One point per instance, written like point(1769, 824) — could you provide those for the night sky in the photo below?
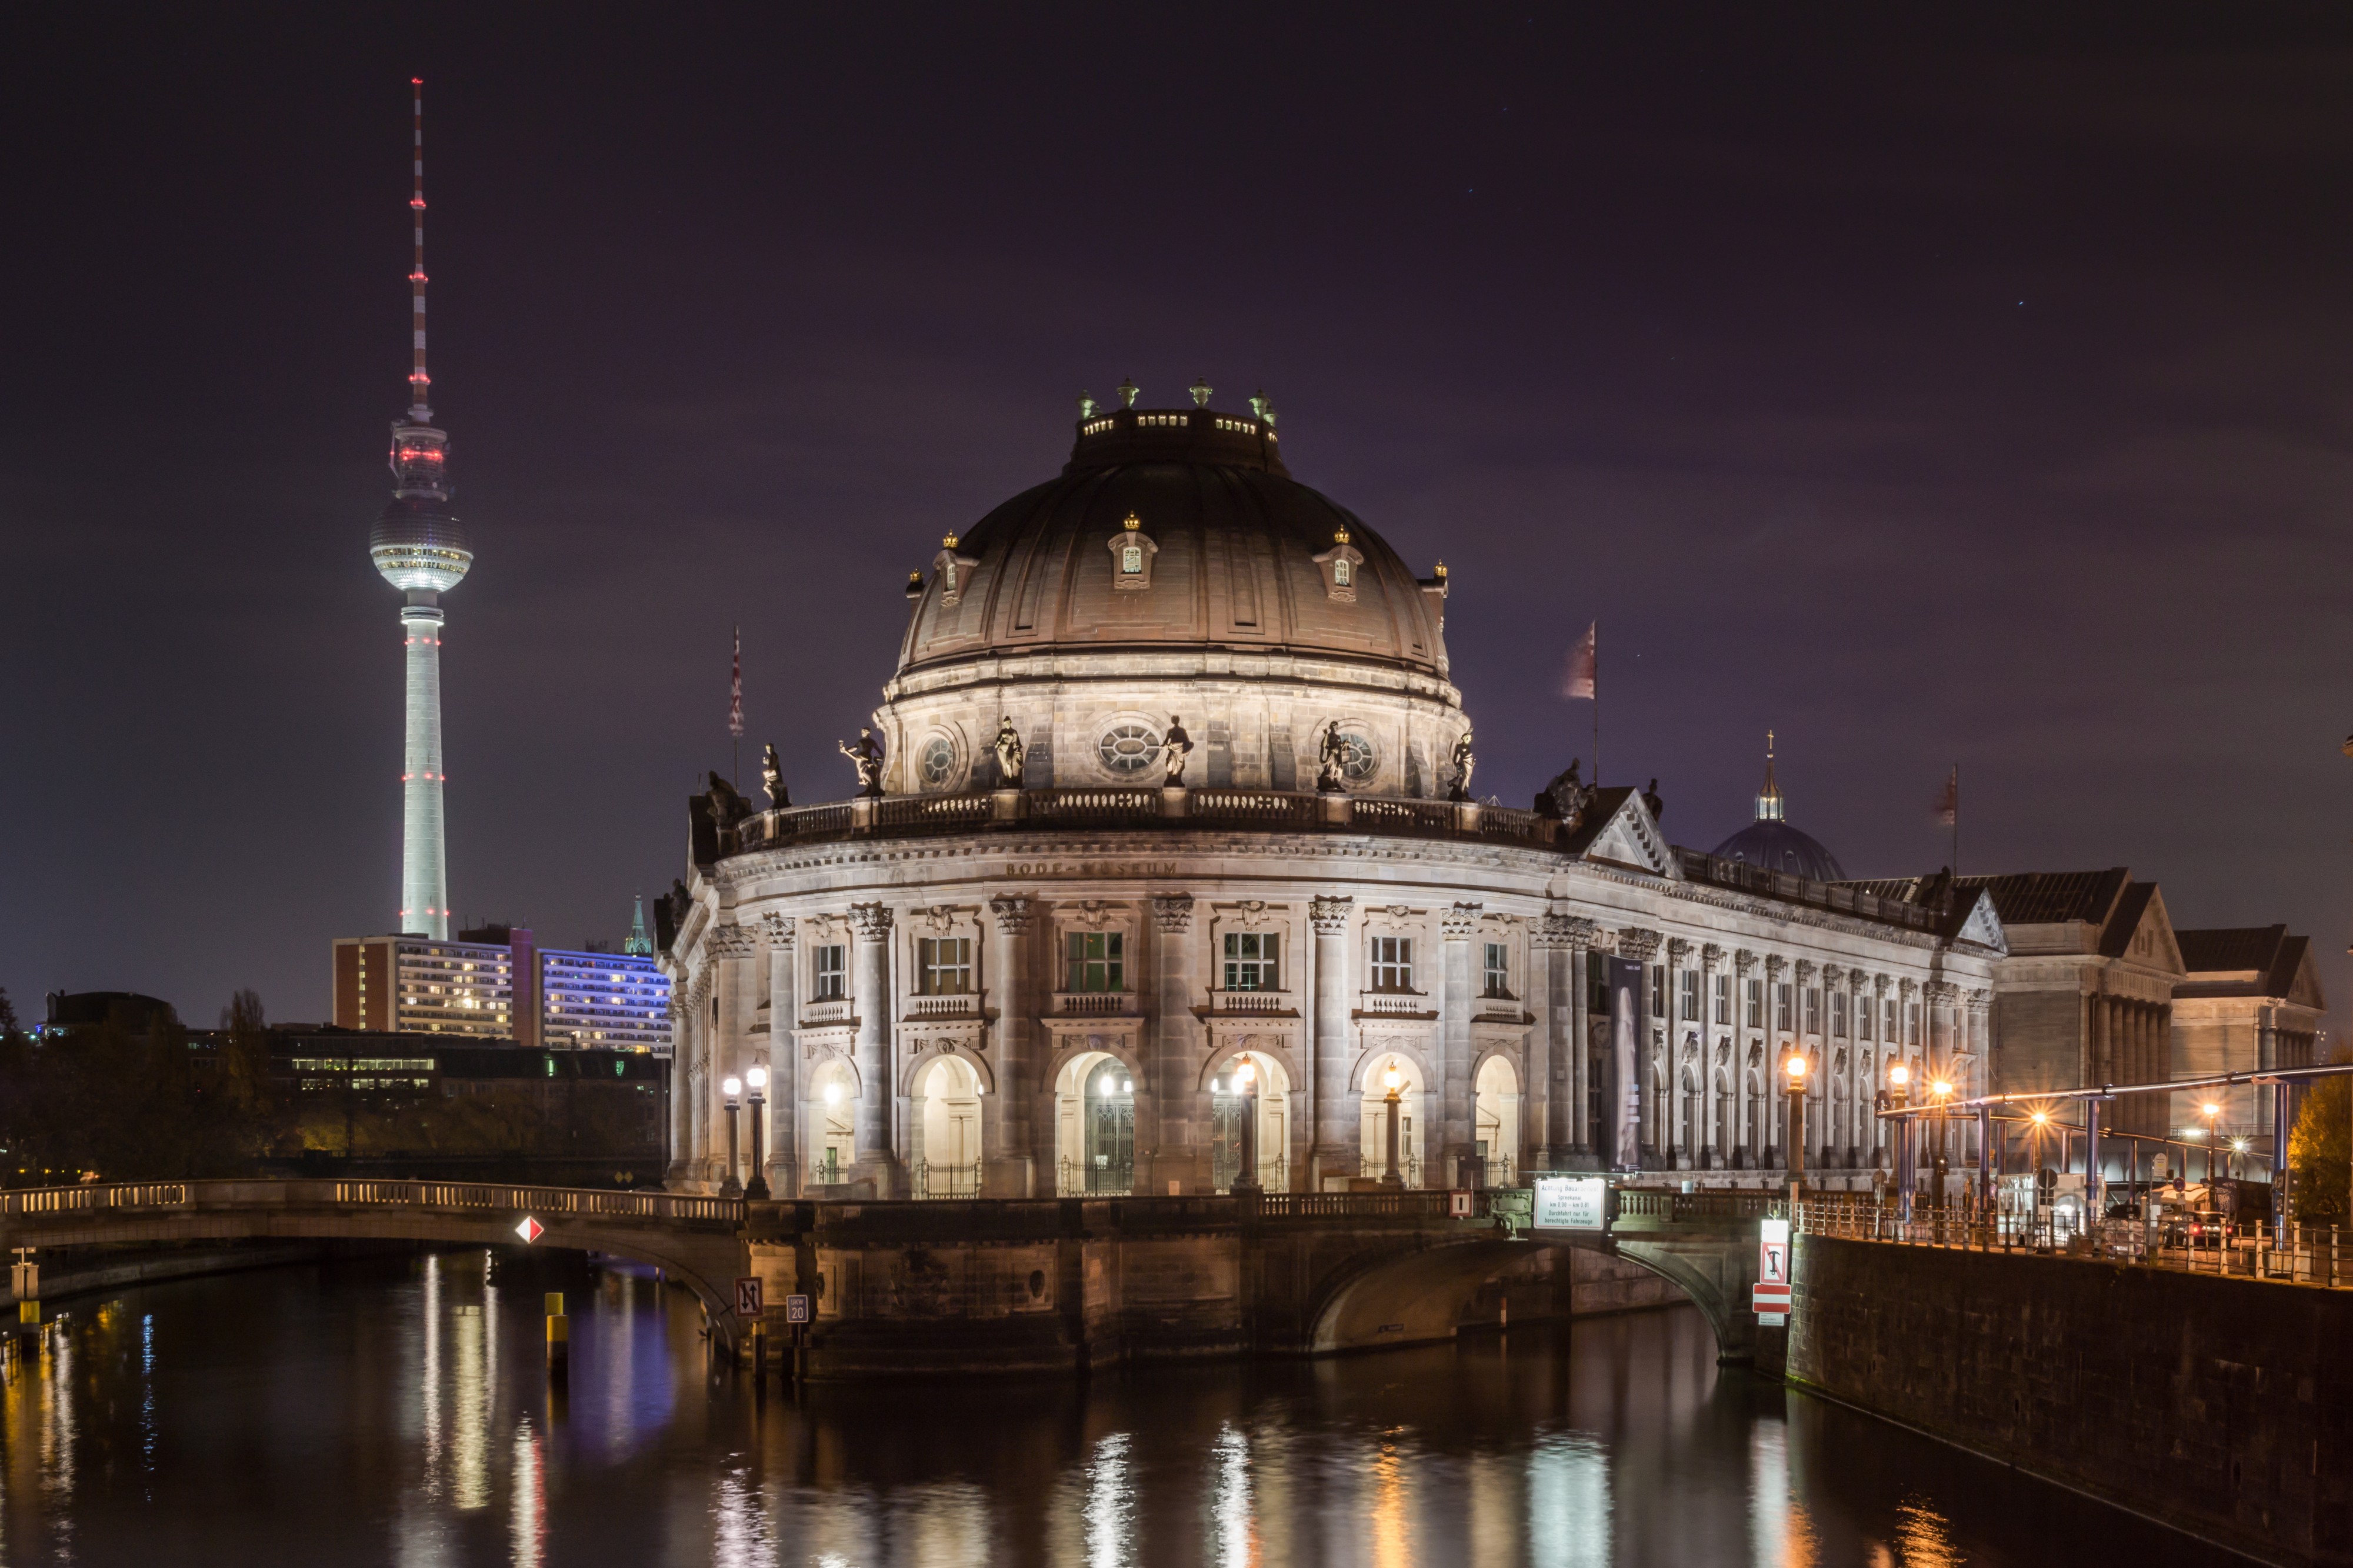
point(1981, 394)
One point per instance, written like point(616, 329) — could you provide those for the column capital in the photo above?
point(1329, 914)
point(1172, 912)
point(1711, 955)
point(1906, 986)
point(1743, 961)
point(779, 930)
point(1458, 922)
point(1881, 984)
point(1573, 931)
point(1806, 968)
point(1678, 949)
point(872, 922)
point(1639, 943)
point(1943, 990)
point(729, 941)
point(1011, 912)
point(1833, 976)
point(1775, 966)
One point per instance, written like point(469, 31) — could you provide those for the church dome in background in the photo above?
point(1771, 842)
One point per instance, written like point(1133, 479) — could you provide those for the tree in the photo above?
point(244, 1056)
point(2318, 1151)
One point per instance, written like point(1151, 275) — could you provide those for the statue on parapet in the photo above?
point(1464, 761)
point(1652, 803)
point(1175, 747)
point(772, 780)
point(728, 807)
point(1008, 747)
point(867, 758)
point(1567, 796)
point(1332, 756)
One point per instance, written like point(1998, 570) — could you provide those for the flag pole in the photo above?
point(1597, 705)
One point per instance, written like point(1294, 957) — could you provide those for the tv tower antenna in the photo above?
point(419, 547)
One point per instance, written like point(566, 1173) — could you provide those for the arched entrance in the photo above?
point(1267, 1089)
point(944, 1121)
point(1094, 1125)
point(1495, 1122)
point(829, 1114)
point(1375, 1148)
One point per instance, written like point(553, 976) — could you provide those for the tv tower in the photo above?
point(421, 549)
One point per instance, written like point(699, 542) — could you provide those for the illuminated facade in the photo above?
point(501, 987)
point(419, 547)
point(1172, 859)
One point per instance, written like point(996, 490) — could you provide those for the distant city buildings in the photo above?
point(496, 984)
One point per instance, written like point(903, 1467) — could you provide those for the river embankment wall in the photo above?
point(78, 1271)
point(2223, 1407)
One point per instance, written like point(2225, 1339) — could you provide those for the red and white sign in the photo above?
point(750, 1300)
point(1769, 1298)
point(1458, 1206)
point(1773, 1265)
point(531, 1229)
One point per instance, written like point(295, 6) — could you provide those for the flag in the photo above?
point(1949, 799)
point(1582, 666)
point(735, 691)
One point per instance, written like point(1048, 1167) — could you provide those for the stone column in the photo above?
point(1182, 1110)
point(2098, 1050)
point(1776, 1139)
point(877, 1157)
point(1834, 1045)
point(681, 1174)
point(1561, 1064)
point(1009, 1125)
point(1673, 1136)
point(1811, 1050)
point(1457, 1122)
point(1744, 963)
point(784, 1162)
point(1641, 946)
point(1578, 958)
point(1339, 1121)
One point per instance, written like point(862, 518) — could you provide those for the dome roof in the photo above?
point(1176, 531)
point(1781, 847)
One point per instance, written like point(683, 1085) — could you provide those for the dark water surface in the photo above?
point(399, 1412)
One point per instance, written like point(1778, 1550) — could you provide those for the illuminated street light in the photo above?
point(1246, 1179)
point(1392, 1080)
point(1796, 1070)
point(732, 1188)
point(756, 1079)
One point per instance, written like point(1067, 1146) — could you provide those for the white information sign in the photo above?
point(1571, 1203)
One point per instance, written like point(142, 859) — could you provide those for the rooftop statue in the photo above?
point(772, 780)
point(867, 758)
point(727, 807)
point(1567, 796)
point(1332, 755)
point(1658, 808)
point(1008, 747)
point(1175, 747)
point(1464, 761)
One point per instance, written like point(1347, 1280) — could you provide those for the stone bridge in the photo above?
point(989, 1285)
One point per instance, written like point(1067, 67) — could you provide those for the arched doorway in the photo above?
point(1094, 1126)
point(1495, 1122)
point(831, 1113)
point(945, 1122)
point(1229, 1100)
point(1375, 1147)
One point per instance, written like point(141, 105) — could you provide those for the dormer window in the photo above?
point(952, 569)
point(1342, 570)
point(1340, 565)
point(1132, 551)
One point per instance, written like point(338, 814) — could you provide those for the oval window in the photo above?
point(935, 764)
point(1128, 749)
point(1356, 760)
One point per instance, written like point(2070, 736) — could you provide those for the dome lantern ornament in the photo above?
point(1200, 389)
point(1128, 390)
point(1771, 842)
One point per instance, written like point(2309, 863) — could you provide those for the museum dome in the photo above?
point(1771, 842)
point(1176, 531)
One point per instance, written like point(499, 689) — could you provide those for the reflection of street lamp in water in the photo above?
point(1391, 1079)
point(1246, 1179)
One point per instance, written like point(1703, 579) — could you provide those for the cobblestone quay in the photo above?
point(2223, 1407)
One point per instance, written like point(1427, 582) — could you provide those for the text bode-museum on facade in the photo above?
point(1164, 860)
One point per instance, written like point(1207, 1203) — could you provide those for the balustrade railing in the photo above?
point(587, 1203)
point(932, 1180)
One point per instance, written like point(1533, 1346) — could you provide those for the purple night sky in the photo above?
point(1981, 392)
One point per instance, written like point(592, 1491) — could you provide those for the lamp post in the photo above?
point(756, 1079)
point(1391, 1079)
point(2209, 1111)
point(730, 1188)
point(1795, 1068)
point(1246, 1179)
point(1939, 1092)
point(1899, 1089)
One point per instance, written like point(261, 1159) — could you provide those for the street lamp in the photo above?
point(1246, 1179)
point(756, 1079)
point(1939, 1092)
point(1391, 1081)
point(1899, 1084)
point(2209, 1111)
point(730, 1188)
point(1796, 1070)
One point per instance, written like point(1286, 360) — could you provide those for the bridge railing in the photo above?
point(1656, 1203)
point(585, 1203)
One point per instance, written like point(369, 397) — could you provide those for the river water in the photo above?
point(399, 1412)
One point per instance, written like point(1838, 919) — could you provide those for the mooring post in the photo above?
point(559, 1336)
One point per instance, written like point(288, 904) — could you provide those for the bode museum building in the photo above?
point(1164, 865)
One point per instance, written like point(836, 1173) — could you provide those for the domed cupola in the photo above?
point(1173, 572)
point(1771, 842)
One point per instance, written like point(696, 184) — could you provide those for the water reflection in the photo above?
point(401, 1410)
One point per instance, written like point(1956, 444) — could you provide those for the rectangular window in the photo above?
point(1251, 961)
point(832, 972)
point(1756, 1004)
point(1392, 964)
point(943, 965)
point(1722, 989)
point(1781, 1006)
point(1499, 970)
point(1690, 988)
point(1838, 1013)
point(1813, 1011)
point(1862, 1015)
point(1888, 1034)
point(1912, 1020)
point(1096, 960)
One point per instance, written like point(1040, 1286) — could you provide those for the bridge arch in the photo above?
point(1418, 1293)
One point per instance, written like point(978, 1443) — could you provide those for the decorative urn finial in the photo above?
point(1126, 390)
point(1200, 389)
